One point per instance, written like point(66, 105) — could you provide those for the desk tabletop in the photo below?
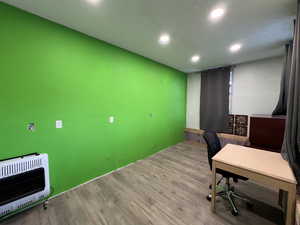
point(262, 162)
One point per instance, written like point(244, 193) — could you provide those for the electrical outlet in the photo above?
point(58, 123)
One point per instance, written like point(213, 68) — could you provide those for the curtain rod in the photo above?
point(215, 68)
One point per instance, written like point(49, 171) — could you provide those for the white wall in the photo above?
point(255, 89)
point(256, 86)
point(193, 100)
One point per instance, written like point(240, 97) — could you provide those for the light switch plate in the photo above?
point(111, 119)
point(58, 123)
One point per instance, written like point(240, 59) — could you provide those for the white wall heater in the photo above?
point(23, 181)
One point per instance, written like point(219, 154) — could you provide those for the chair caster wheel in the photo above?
point(208, 198)
point(234, 213)
point(249, 205)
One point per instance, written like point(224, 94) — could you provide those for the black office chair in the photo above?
point(226, 191)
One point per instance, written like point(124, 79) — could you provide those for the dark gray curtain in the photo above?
point(281, 108)
point(214, 100)
point(291, 143)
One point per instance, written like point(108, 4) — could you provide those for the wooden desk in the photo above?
point(264, 167)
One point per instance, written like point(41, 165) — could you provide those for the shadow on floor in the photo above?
point(268, 212)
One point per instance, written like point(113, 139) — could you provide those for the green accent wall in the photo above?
point(49, 72)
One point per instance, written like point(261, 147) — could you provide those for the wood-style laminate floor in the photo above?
point(168, 188)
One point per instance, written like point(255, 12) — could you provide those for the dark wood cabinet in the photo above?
point(267, 132)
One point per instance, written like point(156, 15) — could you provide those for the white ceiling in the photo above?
point(262, 26)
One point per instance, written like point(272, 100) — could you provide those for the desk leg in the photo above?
point(291, 205)
point(213, 191)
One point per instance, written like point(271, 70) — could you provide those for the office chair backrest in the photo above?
point(213, 145)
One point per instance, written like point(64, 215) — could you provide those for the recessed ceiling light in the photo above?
point(93, 2)
point(195, 58)
point(235, 47)
point(217, 13)
point(164, 39)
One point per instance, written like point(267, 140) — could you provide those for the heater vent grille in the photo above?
point(19, 167)
point(24, 180)
point(25, 204)
point(4, 212)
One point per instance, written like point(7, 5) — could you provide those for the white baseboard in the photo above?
point(89, 181)
point(96, 178)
